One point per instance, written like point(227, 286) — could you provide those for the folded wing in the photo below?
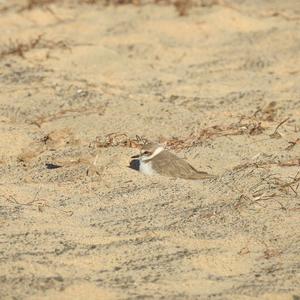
point(169, 164)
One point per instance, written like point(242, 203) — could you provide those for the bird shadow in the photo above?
point(134, 165)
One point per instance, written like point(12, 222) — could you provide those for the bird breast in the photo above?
point(146, 168)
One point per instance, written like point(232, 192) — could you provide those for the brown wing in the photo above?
point(169, 164)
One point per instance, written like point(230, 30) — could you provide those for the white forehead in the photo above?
point(150, 147)
point(155, 152)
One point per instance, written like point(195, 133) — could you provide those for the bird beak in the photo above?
point(136, 156)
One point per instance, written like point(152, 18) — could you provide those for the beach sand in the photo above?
point(219, 86)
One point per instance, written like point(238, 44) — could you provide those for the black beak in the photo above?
point(136, 156)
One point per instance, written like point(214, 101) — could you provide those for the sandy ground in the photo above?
point(219, 86)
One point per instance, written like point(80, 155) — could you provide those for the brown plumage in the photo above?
point(168, 164)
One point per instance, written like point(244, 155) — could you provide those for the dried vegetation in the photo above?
point(269, 186)
point(19, 48)
point(38, 203)
point(263, 119)
point(181, 6)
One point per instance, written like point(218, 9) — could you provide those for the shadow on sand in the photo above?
point(134, 164)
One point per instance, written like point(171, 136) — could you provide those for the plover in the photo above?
point(155, 159)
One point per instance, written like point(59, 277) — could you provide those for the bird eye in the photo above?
point(147, 153)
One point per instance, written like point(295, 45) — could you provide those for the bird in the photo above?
point(155, 159)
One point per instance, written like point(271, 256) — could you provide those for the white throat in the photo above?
point(146, 168)
point(146, 164)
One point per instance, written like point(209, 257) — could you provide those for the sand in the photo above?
point(219, 86)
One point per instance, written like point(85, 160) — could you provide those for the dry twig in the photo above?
point(39, 203)
point(276, 134)
point(119, 139)
point(16, 47)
